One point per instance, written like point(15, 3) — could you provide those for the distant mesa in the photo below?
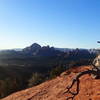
point(37, 50)
point(35, 45)
point(31, 49)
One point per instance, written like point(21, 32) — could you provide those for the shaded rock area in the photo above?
point(54, 89)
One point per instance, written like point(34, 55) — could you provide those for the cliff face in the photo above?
point(54, 89)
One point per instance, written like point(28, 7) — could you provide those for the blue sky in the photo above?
point(59, 23)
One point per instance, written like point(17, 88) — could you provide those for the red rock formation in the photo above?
point(54, 89)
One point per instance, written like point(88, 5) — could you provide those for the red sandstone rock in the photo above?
point(54, 89)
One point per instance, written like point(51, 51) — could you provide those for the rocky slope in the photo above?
point(54, 89)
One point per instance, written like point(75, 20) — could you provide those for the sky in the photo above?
point(58, 23)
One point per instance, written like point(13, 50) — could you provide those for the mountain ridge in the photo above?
point(38, 46)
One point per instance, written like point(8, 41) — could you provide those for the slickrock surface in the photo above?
point(54, 89)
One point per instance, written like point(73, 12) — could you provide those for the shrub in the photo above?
point(56, 71)
point(36, 79)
